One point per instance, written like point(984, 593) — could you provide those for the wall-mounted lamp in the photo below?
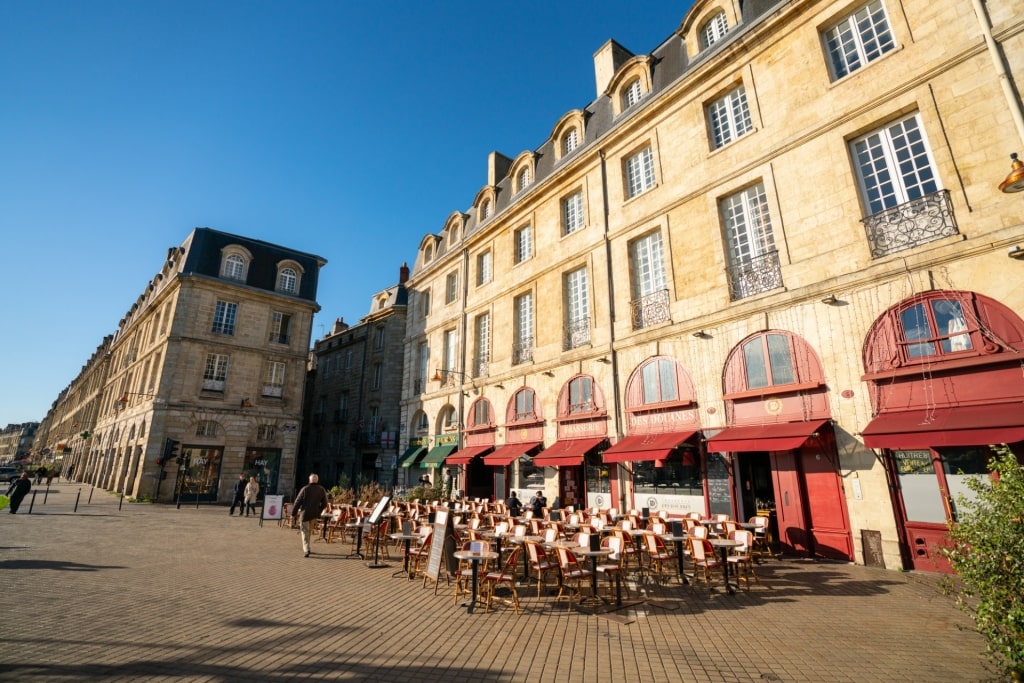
point(444, 376)
point(1016, 253)
point(548, 373)
point(246, 403)
point(701, 334)
point(605, 360)
point(499, 386)
point(1015, 180)
point(124, 397)
point(830, 300)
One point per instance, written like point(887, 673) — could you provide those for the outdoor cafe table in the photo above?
point(358, 526)
point(408, 538)
point(678, 540)
point(724, 545)
point(475, 559)
point(582, 551)
point(521, 540)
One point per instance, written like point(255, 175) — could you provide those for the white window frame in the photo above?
point(287, 280)
point(713, 30)
point(523, 179)
point(647, 261)
point(570, 141)
point(572, 213)
point(273, 378)
point(378, 375)
point(523, 238)
point(215, 374)
point(748, 225)
point(523, 305)
point(451, 287)
point(483, 268)
point(280, 325)
point(883, 154)
point(482, 342)
point(577, 302)
point(234, 267)
point(639, 172)
point(225, 316)
point(858, 39)
point(729, 117)
point(632, 94)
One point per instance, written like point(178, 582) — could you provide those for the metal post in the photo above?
point(77, 498)
point(32, 502)
point(46, 494)
point(120, 502)
point(89, 502)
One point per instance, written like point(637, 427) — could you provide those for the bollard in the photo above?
point(32, 502)
point(197, 499)
point(179, 500)
point(78, 498)
point(89, 502)
point(120, 502)
point(46, 495)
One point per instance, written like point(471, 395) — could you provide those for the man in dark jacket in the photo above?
point(19, 489)
point(312, 500)
point(238, 496)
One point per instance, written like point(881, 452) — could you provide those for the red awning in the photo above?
point(507, 454)
point(465, 455)
point(646, 446)
point(937, 427)
point(566, 453)
point(784, 436)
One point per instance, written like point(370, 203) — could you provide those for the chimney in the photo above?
point(497, 167)
point(403, 274)
point(607, 61)
point(339, 326)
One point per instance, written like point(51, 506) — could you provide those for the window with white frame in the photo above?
point(570, 141)
point(647, 262)
point(224, 315)
point(482, 342)
point(857, 39)
point(234, 267)
point(632, 94)
point(449, 419)
point(375, 420)
point(485, 210)
point(206, 428)
point(522, 350)
point(894, 164)
point(422, 366)
point(523, 179)
point(449, 349)
point(280, 325)
point(659, 382)
point(577, 309)
point(572, 213)
point(639, 172)
point(215, 375)
point(729, 117)
point(523, 238)
point(287, 280)
point(753, 259)
point(273, 378)
point(451, 287)
point(483, 268)
point(422, 424)
point(378, 342)
point(713, 30)
point(266, 432)
point(378, 375)
point(424, 301)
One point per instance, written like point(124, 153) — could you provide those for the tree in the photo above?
point(986, 550)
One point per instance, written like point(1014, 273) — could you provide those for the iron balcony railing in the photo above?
point(482, 365)
point(522, 351)
point(650, 309)
point(910, 224)
point(753, 276)
point(577, 334)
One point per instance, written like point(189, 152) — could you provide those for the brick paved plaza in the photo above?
point(155, 593)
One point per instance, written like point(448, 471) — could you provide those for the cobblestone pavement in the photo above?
point(155, 593)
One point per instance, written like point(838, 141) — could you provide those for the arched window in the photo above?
point(287, 280)
point(659, 381)
point(570, 141)
point(768, 361)
point(581, 395)
point(523, 179)
point(485, 210)
point(713, 30)
point(631, 94)
point(523, 406)
point(234, 267)
point(481, 415)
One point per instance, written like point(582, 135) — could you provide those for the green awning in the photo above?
point(437, 455)
point(411, 455)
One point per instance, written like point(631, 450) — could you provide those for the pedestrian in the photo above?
point(40, 473)
point(252, 490)
point(50, 474)
point(238, 496)
point(539, 503)
point(67, 475)
point(312, 500)
point(18, 490)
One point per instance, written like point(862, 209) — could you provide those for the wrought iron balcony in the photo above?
point(910, 224)
point(759, 274)
point(650, 309)
point(482, 365)
point(577, 334)
point(522, 351)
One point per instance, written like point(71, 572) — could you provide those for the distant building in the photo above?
point(764, 270)
point(16, 441)
point(203, 379)
point(354, 389)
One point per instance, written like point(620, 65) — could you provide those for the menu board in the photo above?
point(442, 546)
point(719, 498)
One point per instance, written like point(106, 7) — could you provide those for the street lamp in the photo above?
point(1015, 180)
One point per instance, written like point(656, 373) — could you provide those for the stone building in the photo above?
point(16, 441)
point(353, 395)
point(765, 269)
point(203, 379)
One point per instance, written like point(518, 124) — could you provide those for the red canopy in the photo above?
point(962, 426)
point(465, 455)
point(566, 453)
point(508, 453)
point(783, 436)
point(646, 446)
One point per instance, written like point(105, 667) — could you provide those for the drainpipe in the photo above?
point(616, 393)
point(995, 52)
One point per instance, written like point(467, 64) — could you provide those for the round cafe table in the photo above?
point(475, 559)
point(581, 551)
point(408, 538)
point(678, 540)
point(724, 545)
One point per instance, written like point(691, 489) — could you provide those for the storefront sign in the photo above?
point(272, 506)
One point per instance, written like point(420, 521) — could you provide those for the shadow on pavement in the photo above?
point(55, 565)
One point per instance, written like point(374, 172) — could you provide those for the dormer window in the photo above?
point(632, 94)
point(235, 261)
point(288, 274)
point(713, 30)
point(523, 179)
point(570, 141)
point(485, 210)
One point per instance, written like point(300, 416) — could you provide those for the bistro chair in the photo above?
point(505, 574)
point(741, 559)
point(702, 554)
point(659, 557)
point(464, 572)
point(611, 567)
point(420, 552)
point(762, 537)
point(540, 563)
point(336, 524)
point(572, 574)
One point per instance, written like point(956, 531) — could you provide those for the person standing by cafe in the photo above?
point(252, 492)
point(19, 489)
point(312, 500)
point(238, 496)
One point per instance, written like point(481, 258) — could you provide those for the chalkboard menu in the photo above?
point(719, 498)
point(442, 546)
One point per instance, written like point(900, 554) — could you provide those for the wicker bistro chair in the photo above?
point(505, 574)
point(540, 563)
point(572, 574)
point(741, 560)
point(659, 558)
point(419, 553)
point(464, 572)
point(336, 524)
point(702, 554)
point(762, 537)
point(612, 567)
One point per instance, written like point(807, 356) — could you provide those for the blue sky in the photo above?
point(345, 129)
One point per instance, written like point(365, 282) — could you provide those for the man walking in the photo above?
point(19, 489)
point(312, 500)
point(238, 496)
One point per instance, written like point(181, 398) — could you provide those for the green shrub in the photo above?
point(986, 550)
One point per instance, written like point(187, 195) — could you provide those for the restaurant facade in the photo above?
point(771, 268)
